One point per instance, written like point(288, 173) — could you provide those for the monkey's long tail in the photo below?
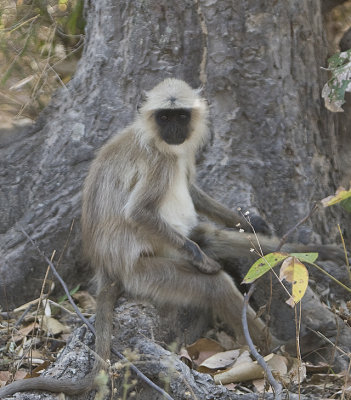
point(48, 384)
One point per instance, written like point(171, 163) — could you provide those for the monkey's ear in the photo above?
point(142, 99)
point(200, 90)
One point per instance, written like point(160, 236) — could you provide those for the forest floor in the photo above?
point(32, 336)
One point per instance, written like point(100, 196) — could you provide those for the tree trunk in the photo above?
point(274, 148)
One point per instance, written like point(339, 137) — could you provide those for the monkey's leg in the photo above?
point(105, 302)
point(176, 282)
point(103, 326)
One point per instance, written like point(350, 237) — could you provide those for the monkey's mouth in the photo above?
point(174, 136)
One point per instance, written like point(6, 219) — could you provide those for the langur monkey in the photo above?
point(140, 224)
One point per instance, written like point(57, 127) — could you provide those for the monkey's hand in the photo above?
point(199, 259)
point(260, 225)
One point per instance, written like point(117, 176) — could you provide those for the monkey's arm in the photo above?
point(143, 211)
point(206, 205)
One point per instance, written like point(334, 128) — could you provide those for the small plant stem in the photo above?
point(298, 350)
point(23, 23)
point(331, 277)
point(345, 251)
point(19, 321)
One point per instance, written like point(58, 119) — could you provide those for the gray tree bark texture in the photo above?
point(274, 148)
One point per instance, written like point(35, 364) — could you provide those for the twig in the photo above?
point(88, 324)
point(10, 30)
point(277, 387)
point(65, 309)
point(43, 300)
point(345, 251)
point(320, 334)
point(298, 349)
point(21, 318)
point(331, 277)
point(291, 230)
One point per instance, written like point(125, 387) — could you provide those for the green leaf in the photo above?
point(339, 90)
point(264, 264)
point(73, 291)
point(306, 257)
point(340, 196)
point(334, 90)
point(346, 204)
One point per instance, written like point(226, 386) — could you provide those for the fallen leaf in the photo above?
point(261, 386)
point(278, 364)
point(239, 373)
point(6, 376)
point(54, 327)
point(86, 300)
point(25, 331)
point(326, 378)
point(244, 357)
point(296, 371)
point(203, 349)
point(231, 386)
point(250, 370)
point(320, 367)
point(36, 370)
point(220, 360)
point(20, 374)
point(47, 309)
point(185, 357)
point(25, 306)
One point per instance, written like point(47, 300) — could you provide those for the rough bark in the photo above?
point(274, 149)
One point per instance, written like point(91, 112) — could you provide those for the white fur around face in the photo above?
point(177, 207)
point(173, 94)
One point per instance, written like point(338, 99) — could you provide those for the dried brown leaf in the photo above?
point(221, 360)
point(86, 300)
point(203, 349)
point(53, 327)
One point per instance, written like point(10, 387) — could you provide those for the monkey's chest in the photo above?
point(177, 208)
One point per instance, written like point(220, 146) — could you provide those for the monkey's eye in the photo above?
point(183, 116)
point(163, 117)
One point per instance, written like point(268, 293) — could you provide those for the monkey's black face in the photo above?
point(173, 124)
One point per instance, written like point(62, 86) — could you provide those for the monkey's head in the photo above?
point(174, 116)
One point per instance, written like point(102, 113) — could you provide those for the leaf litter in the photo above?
point(31, 337)
point(238, 372)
